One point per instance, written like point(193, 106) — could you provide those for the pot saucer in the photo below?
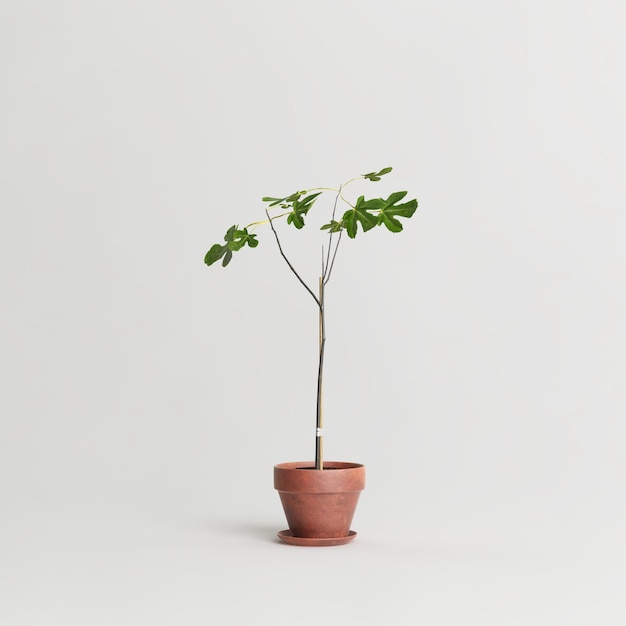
point(287, 537)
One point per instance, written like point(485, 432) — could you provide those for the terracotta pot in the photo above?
point(319, 504)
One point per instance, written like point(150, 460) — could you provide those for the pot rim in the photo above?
point(302, 477)
point(310, 465)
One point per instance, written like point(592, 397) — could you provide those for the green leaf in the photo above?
point(274, 201)
point(294, 196)
point(241, 238)
point(391, 223)
point(310, 199)
point(287, 200)
point(374, 176)
point(391, 210)
point(396, 196)
point(295, 219)
point(235, 240)
point(229, 233)
point(360, 213)
point(374, 203)
point(333, 226)
point(215, 253)
point(376, 211)
point(300, 209)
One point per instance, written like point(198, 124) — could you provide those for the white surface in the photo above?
point(475, 362)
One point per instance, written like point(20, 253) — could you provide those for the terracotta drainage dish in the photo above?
point(319, 504)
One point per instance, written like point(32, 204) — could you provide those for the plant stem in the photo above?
point(332, 262)
point(255, 224)
point(327, 267)
point(344, 185)
point(330, 235)
point(319, 438)
point(320, 189)
point(280, 248)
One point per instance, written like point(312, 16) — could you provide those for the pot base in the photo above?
point(287, 537)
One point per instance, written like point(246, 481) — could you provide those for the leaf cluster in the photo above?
point(367, 213)
point(235, 239)
point(299, 208)
point(374, 212)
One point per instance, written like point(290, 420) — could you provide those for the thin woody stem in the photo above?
point(319, 439)
point(328, 262)
point(330, 235)
point(332, 262)
point(280, 248)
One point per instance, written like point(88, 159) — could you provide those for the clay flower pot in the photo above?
point(319, 504)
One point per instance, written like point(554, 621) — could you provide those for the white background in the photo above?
point(475, 361)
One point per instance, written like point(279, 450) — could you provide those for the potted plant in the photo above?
point(319, 498)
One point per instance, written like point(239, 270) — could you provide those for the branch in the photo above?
point(330, 237)
point(319, 304)
point(332, 263)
